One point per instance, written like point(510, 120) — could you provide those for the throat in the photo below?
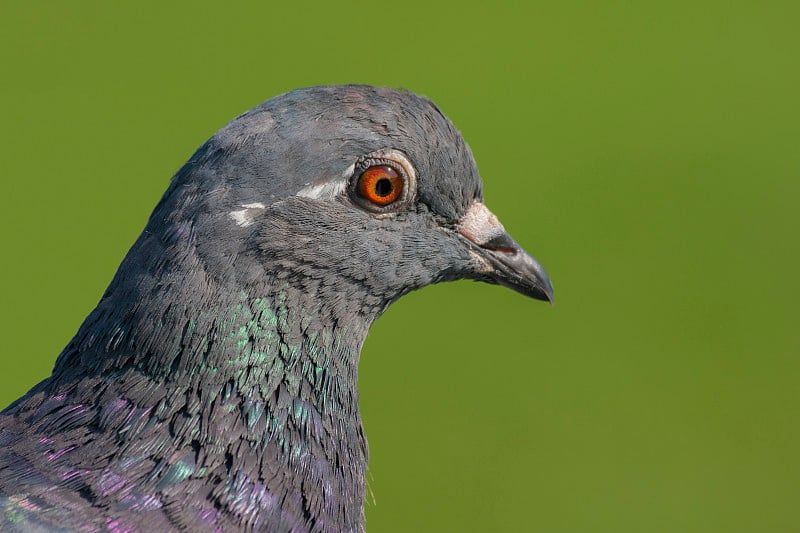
point(259, 394)
point(289, 382)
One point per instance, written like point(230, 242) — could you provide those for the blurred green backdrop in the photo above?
point(648, 154)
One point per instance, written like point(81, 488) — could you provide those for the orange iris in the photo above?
point(380, 184)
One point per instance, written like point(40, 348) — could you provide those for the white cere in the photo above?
point(479, 224)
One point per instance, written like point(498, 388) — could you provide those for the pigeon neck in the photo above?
point(272, 381)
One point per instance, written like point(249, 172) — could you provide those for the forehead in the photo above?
point(309, 136)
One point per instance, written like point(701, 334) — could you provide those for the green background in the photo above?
point(647, 153)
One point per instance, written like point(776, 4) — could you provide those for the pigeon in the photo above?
point(214, 386)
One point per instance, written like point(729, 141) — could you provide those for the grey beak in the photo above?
point(510, 265)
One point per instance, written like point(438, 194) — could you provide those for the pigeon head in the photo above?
point(214, 386)
point(356, 194)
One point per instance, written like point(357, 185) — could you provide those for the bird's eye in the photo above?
point(380, 184)
point(383, 182)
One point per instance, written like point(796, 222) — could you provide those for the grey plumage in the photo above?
point(213, 388)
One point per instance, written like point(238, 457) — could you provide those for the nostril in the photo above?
point(501, 243)
point(509, 251)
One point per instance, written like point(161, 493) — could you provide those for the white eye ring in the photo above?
point(401, 159)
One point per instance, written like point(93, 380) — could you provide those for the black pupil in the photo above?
point(383, 187)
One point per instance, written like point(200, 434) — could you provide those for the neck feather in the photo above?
point(259, 384)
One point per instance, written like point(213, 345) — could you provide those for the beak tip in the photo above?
point(551, 299)
point(545, 293)
point(540, 286)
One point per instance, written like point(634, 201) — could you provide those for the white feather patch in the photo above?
point(244, 217)
point(327, 190)
point(323, 191)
